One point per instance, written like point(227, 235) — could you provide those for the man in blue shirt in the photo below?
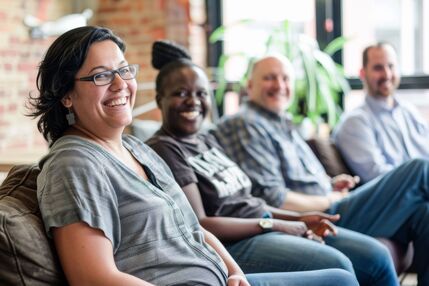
point(384, 132)
point(262, 140)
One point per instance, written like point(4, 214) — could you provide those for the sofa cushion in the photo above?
point(27, 256)
point(329, 156)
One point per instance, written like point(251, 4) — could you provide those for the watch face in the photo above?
point(266, 223)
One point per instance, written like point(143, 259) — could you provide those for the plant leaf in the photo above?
point(335, 45)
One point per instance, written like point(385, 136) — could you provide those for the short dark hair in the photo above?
point(367, 49)
point(56, 76)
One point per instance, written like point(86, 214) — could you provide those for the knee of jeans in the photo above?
point(345, 278)
point(381, 255)
point(343, 262)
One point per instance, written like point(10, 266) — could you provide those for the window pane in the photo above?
point(266, 15)
point(399, 22)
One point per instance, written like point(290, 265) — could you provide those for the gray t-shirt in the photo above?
point(153, 230)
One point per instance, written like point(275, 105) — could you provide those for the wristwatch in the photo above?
point(266, 224)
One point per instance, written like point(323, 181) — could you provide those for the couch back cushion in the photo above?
point(327, 153)
point(27, 256)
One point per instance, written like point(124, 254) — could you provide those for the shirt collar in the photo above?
point(380, 104)
point(268, 113)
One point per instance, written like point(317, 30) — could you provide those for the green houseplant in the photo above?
point(319, 81)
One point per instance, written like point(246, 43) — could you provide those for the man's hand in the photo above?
point(320, 223)
point(344, 182)
point(237, 280)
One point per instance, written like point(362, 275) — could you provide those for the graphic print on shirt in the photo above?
point(223, 173)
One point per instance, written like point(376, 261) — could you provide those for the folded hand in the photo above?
point(320, 223)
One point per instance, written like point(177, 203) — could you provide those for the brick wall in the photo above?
point(19, 58)
point(138, 22)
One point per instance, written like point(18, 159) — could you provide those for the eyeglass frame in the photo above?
point(112, 72)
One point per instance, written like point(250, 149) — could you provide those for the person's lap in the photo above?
point(329, 277)
point(393, 206)
point(380, 207)
point(279, 252)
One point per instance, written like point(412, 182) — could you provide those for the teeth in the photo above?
point(116, 102)
point(190, 114)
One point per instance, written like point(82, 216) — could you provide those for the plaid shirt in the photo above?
point(272, 153)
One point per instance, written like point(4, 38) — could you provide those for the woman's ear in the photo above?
point(66, 101)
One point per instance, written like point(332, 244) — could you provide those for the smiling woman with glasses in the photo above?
point(106, 77)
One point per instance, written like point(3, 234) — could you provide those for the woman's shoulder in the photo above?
point(70, 150)
point(160, 139)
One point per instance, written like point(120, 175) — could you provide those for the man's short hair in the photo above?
point(376, 45)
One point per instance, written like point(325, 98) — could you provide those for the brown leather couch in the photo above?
point(27, 257)
point(331, 159)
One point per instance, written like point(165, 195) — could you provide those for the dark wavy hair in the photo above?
point(167, 57)
point(56, 76)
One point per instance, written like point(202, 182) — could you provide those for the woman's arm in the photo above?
point(320, 223)
point(236, 276)
point(86, 256)
point(224, 228)
point(231, 228)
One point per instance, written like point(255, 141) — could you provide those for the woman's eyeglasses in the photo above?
point(106, 77)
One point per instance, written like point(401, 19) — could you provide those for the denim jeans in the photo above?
point(329, 277)
point(278, 252)
point(371, 259)
point(394, 206)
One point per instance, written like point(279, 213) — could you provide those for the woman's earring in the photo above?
point(70, 117)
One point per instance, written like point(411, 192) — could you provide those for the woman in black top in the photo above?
point(259, 237)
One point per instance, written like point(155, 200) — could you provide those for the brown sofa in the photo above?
point(27, 257)
point(331, 159)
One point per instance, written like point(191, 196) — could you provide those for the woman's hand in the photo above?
point(320, 223)
point(237, 280)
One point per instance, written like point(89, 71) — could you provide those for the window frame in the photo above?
point(326, 11)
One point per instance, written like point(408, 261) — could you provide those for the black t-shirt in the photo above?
point(224, 188)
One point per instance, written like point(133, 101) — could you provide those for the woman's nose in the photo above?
point(193, 99)
point(117, 82)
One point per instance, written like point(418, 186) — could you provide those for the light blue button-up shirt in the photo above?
point(375, 138)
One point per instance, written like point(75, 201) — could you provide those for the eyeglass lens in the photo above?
point(127, 72)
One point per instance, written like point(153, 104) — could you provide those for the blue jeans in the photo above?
point(329, 277)
point(394, 206)
point(371, 259)
point(278, 252)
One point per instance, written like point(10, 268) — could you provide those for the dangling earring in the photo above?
point(70, 117)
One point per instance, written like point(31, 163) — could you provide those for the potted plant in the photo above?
point(319, 81)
